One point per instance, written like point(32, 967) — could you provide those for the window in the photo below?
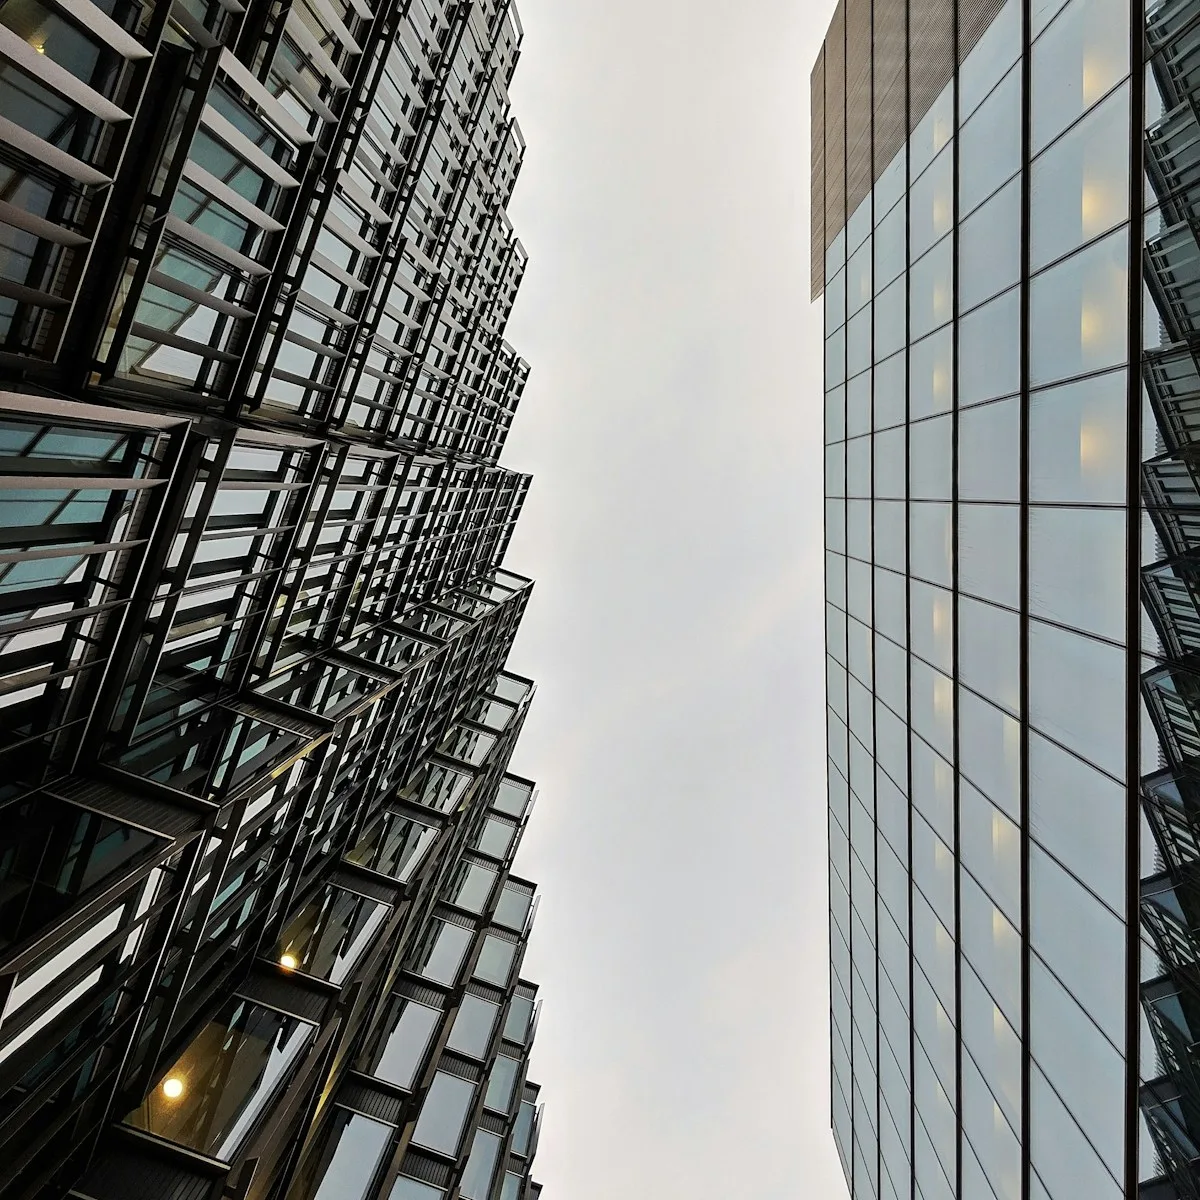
point(481, 1166)
point(501, 1080)
point(411, 1027)
point(472, 1030)
point(358, 1145)
point(495, 961)
point(443, 1114)
point(444, 949)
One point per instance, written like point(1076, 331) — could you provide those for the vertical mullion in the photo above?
point(1133, 610)
point(1026, 1069)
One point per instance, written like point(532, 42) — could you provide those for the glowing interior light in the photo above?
point(172, 1088)
point(289, 962)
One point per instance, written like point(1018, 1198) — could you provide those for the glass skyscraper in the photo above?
point(260, 933)
point(1005, 223)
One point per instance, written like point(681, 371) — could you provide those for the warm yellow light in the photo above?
point(172, 1088)
point(941, 382)
point(1090, 325)
point(289, 962)
point(941, 213)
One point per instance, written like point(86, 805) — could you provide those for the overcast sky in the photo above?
point(673, 426)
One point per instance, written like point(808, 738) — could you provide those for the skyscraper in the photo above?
point(260, 936)
point(1005, 235)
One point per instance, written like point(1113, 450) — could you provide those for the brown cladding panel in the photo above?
point(817, 179)
point(890, 39)
point(931, 54)
point(974, 17)
point(858, 103)
point(835, 125)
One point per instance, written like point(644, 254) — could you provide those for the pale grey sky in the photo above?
point(673, 425)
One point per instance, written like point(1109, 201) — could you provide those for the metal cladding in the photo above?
point(259, 933)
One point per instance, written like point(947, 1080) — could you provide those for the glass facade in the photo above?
point(260, 936)
point(1006, 662)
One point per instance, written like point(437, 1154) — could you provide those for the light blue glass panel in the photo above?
point(835, 414)
point(989, 350)
point(358, 1146)
point(931, 539)
point(931, 467)
point(991, 1138)
point(989, 547)
point(1080, 184)
point(1077, 694)
point(858, 405)
point(1081, 1064)
point(1064, 1159)
point(859, 286)
point(932, 706)
point(1078, 312)
point(858, 529)
point(990, 144)
point(931, 290)
point(989, 60)
point(989, 452)
point(989, 651)
point(993, 1045)
point(1078, 814)
point(933, 872)
point(889, 324)
point(933, 132)
point(891, 606)
point(989, 248)
point(1077, 441)
point(890, 463)
point(835, 303)
point(857, 481)
point(931, 205)
point(1081, 941)
point(932, 1095)
point(890, 399)
point(1080, 57)
point(933, 789)
point(858, 342)
point(933, 948)
point(889, 534)
point(931, 375)
point(889, 187)
point(891, 250)
point(1077, 568)
point(932, 624)
point(990, 846)
point(835, 358)
point(993, 946)
point(990, 751)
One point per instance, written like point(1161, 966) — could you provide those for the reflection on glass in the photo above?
point(442, 953)
point(330, 934)
point(411, 1189)
point(473, 883)
point(214, 1092)
point(357, 1144)
point(516, 1024)
point(513, 908)
point(522, 1128)
point(481, 1166)
point(931, 375)
point(1077, 441)
point(410, 1027)
point(443, 1113)
point(496, 837)
point(495, 961)
point(501, 1080)
point(512, 798)
point(394, 845)
point(472, 1029)
point(1080, 185)
point(1078, 312)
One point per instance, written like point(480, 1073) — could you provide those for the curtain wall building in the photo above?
point(1006, 213)
point(260, 938)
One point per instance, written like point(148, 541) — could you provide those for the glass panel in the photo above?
point(989, 651)
point(516, 1024)
point(1077, 441)
point(330, 934)
point(931, 205)
point(472, 1030)
point(481, 1166)
point(931, 289)
point(1080, 185)
point(989, 248)
point(1083, 54)
point(989, 547)
point(412, 1025)
point(989, 350)
point(990, 144)
point(495, 960)
point(1077, 568)
point(931, 538)
point(931, 375)
point(212, 1095)
point(513, 908)
point(930, 461)
point(410, 1189)
point(993, 54)
point(443, 1114)
point(358, 1144)
point(989, 452)
point(1089, 716)
point(1078, 312)
point(501, 1080)
point(444, 949)
point(472, 886)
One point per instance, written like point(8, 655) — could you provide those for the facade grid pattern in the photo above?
point(260, 935)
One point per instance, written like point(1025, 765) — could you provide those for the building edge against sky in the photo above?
point(1004, 231)
point(260, 934)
